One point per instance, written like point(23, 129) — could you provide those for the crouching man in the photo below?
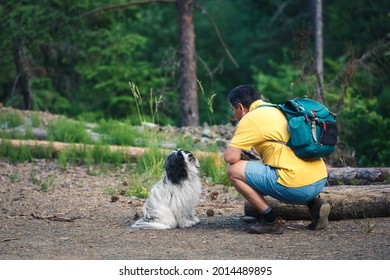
point(280, 174)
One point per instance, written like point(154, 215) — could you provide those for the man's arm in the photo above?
point(232, 155)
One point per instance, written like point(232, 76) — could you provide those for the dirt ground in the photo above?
point(75, 219)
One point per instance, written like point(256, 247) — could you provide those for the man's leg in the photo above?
point(236, 174)
point(271, 223)
point(319, 211)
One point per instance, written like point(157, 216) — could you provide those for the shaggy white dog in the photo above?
point(172, 200)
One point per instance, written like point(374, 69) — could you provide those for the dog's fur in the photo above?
point(172, 200)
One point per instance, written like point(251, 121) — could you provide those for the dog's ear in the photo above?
point(176, 168)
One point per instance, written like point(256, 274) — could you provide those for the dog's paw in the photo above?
point(196, 220)
point(189, 223)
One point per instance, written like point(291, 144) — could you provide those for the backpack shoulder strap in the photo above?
point(275, 106)
point(268, 105)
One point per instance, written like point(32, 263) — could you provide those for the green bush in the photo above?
point(366, 131)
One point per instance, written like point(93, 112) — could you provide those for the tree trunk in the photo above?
point(188, 83)
point(318, 42)
point(23, 71)
point(347, 202)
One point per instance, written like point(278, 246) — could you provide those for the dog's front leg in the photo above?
point(188, 221)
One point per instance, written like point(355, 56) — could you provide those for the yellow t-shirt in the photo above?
point(259, 128)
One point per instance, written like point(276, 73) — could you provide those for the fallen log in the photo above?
point(56, 147)
point(347, 202)
point(357, 176)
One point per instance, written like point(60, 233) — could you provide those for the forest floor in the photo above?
point(50, 213)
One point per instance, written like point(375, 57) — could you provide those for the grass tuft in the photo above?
point(214, 168)
point(68, 131)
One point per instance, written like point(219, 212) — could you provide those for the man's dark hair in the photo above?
point(243, 94)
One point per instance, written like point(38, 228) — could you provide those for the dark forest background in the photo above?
point(79, 64)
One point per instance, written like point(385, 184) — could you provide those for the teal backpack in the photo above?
point(312, 127)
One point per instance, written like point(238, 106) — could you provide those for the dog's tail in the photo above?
point(142, 224)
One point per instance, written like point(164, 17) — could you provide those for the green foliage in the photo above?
point(35, 119)
point(146, 114)
point(284, 81)
point(44, 184)
point(366, 131)
point(10, 119)
point(152, 162)
point(365, 225)
point(107, 69)
point(46, 98)
point(137, 191)
point(185, 142)
point(210, 102)
point(16, 155)
point(100, 154)
point(67, 130)
point(215, 169)
point(119, 133)
point(62, 161)
point(23, 153)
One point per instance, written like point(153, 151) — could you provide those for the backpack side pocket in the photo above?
point(300, 132)
point(328, 134)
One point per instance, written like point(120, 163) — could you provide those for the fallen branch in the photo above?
point(53, 218)
point(10, 239)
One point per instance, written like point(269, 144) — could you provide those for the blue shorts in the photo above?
point(263, 179)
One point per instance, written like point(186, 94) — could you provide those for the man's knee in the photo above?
point(229, 170)
point(236, 170)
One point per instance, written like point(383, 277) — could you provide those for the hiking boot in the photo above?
point(319, 214)
point(276, 227)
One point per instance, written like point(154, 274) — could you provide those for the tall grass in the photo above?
point(35, 119)
point(23, 153)
point(10, 119)
point(209, 102)
point(214, 168)
point(152, 162)
point(186, 143)
point(69, 131)
point(119, 133)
